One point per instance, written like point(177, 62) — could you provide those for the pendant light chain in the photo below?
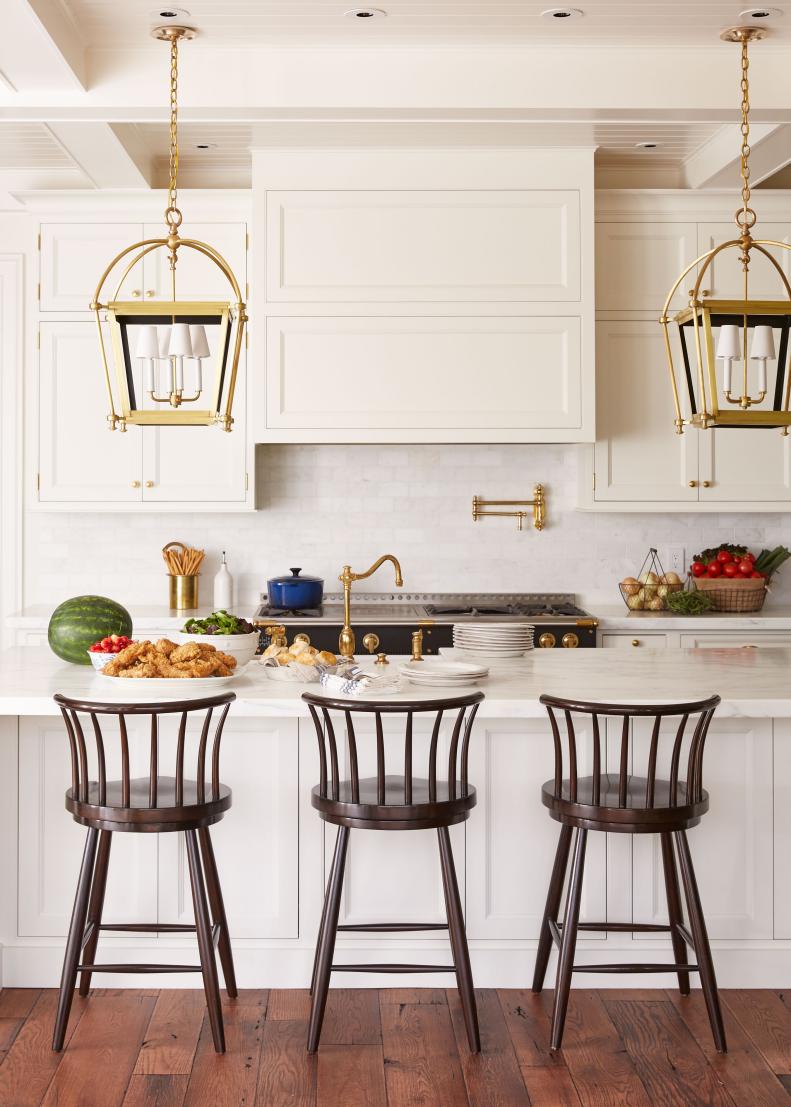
point(746, 217)
point(172, 213)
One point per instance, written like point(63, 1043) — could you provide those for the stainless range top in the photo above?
point(446, 607)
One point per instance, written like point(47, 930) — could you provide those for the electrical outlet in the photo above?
point(676, 560)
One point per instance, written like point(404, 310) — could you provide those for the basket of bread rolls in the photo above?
point(298, 662)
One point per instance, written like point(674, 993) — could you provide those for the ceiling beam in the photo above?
point(716, 163)
point(40, 48)
point(104, 159)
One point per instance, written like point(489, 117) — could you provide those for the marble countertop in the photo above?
point(753, 683)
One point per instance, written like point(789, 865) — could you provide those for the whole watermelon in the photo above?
point(76, 624)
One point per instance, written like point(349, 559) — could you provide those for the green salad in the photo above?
point(219, 622)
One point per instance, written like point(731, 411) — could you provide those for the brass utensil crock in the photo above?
point(184, 592)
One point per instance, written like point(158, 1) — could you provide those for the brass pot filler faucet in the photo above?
point(346, 641)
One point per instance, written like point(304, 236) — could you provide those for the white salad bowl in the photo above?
point(99, 660)
point(241, 646)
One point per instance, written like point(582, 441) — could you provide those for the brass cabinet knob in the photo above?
point(135, 293)
point(570, 641)
point(371, 642)
point(693, 484)
point(135, 483)
point(150, 293)
point(149, 484)
point(547, 640)
point(706, 483)
point(635, 641)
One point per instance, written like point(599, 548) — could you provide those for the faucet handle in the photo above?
point(371, 642)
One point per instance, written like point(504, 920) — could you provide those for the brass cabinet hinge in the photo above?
point(594, 482)
point(38, 482)
point(246, 482)
point(247, 240)
point(38, 291)
point(38, 241)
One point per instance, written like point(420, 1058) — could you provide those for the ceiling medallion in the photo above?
point(715, 333)
point(175, 361)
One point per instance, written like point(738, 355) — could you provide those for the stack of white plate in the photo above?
point(431, 673)
point(493, 639)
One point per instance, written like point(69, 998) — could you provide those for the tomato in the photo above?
point(758, 576)
point(730, 569)
point(698, 568)
point(745, 567)
point(724, 556)
point(748, 556)
point(714, 570)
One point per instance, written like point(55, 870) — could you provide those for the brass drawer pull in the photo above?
point(693, 484)
point(635, 641)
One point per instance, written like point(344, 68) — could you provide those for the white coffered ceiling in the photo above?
point(83, 87)
point(251, 23)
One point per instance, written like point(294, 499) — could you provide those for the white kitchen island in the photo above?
point(272, 847)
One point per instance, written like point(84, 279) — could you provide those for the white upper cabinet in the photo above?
point(373, 246)
point(73, 257)
point(407, 373)
point(737, 463)
point(197, 278)
point(636, 264)
point(80, 459)
point(638, 455)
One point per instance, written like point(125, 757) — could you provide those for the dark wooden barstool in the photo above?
point(624, 803)
point(153, 804)
point(400, 801)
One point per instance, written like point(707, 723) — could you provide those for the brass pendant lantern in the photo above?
point(175, 362)
point(714, 333)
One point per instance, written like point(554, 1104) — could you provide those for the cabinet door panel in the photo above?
point(737, 896)
point(745, 465)
point(511, 839)
point(626, 640)
point(409, 373)
point(423, 246)
point(256, 844)
point(724, 278)
point(394, 877)
point(734, 639)
point(200, 464)
point(636, 264)
point(79, 458)
point(198, 278)
point(51, 843)
point(637, 455)
point(73, 258)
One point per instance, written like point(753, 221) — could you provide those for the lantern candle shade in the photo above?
point(762, 350)
point(147, 351)
point(728, 351)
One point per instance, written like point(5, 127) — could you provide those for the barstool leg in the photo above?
point(96, 906)
point(74, 941)
point(569, 943)
point(697, 925)
point(458, 941)
point(326, 940)
point(552, 907)
point(316, 951)
point(674, 909)
point(217, 905)
point(205, 943)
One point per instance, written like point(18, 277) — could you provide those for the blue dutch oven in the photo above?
point(294, 592)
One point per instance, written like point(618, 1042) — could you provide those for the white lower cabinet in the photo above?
point(782, 827)
point(82, 463)
point(51, 843)
point(256, 844)
point(732, 847)
point(734, 639)
point(511, 839)
point(626, 639)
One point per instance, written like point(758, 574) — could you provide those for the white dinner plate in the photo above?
point(178, 687)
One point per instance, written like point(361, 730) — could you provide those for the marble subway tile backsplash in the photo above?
point(323, 506)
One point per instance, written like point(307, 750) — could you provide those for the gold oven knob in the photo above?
point(570, 641)
point(547, 640)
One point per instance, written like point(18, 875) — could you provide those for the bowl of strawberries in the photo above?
point(106, 648)
point(735, 578)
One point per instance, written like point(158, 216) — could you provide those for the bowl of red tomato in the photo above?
point(106, 648)
point(734, 577)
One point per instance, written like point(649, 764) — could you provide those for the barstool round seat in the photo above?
point(626, 812)
point(173, 809)
point(371, 810)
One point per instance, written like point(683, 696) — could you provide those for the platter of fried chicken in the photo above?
point(159, 664)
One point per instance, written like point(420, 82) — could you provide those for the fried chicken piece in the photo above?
point(188, 652)
point(226, 659)
point(142, 672)
point(165, 646)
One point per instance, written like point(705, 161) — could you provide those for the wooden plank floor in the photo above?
point(395, 1048)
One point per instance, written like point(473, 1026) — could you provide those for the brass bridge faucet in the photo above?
point(346, 641)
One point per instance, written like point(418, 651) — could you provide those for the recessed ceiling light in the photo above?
point(366, 13)
point(166, 12)
point(646, 145)
point(561, 14)
point(760, 13)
